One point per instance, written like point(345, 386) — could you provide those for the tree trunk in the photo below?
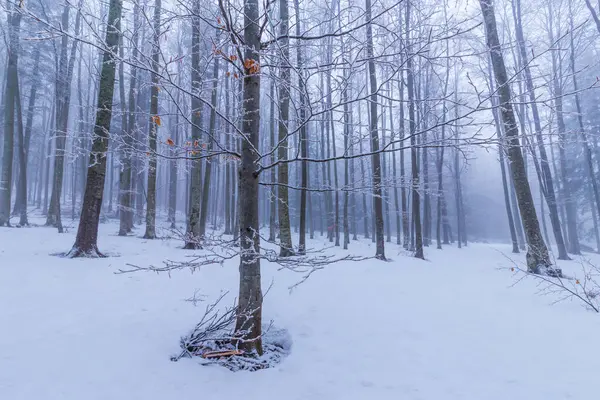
point(63, 100)
point(416, 197)
point(126, 176)
point(212, 132)
point(192, 239)
point(248, 329)
point(173, 163)
point(375, 158)
point(509, 214)
point(153, 130)
point(303, 136)
point(86, 242)
point(538, 259)
point(20, 203)
point(285, 234)
point(273, 190)
point(584, 137)
point(545, 166)
point(363, 179)
point(14, 27)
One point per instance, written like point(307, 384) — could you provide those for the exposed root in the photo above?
point(77, 252)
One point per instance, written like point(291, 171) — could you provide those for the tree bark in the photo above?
point(285, 235)
point(248, 329)
point(192, 239)
point(126, 181)
point(375, 158)
point(63, 101)
point(303, 136)
point(212, 138)
point(545, 166)
point(153, 130)
point(86, 242)
point(416, 197)
point(569, 200)
point(14, 27)
point(538, 259)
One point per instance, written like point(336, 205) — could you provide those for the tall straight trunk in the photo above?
point(139, 172)
point(86, 242)
point(545, 166)
point(126, 176)
point(363, 178)
point(440, 154)
point(538, 259)
point(375, 158)
point(403, 194)
point(273, 190)
point(192, 237)
point(125, 171)
point(85, 128)
point(63, 101)
point(385, 178)
point(42, 162)
point(353, 206)
point(285, 234)
point(505, 187)
point(416, 197)
point(173, 165)
point(425, 166)
point(347, 129)
point(335, 212)
point(228, 181)
point(35, 81)
point(560, 198)
point(153, 129)
point(49, 158)
point(22, 183)
point(211, 140)
point(395, 172)
point(567, 191)
point(248, 329)
point(14, 27)
point(516, 214)
point(460, 234)
point(582, 132)
point(303, 136)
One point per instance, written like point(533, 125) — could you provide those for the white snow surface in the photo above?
point(450, 327)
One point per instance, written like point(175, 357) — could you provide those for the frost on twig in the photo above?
point(584, 288)
point(218, 249)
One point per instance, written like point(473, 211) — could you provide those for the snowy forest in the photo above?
point(364, 198)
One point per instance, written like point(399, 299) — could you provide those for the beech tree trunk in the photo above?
point(416, 197)
point(192, 239)
point(127, 178)
point(285, 235)
point(545, 166)
point(87, 234)
point(14, 27)
point(153, 130)
point(209, 161)
point(248, 329)
point(63, 101)
point(538, 259)
point(375, 158)
point(303, 136)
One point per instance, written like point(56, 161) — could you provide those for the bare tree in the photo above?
point(375, 159)
point(10, 91)
point(86, 242)
point(538, 259)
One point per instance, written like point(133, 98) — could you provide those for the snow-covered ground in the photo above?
point(451, 327)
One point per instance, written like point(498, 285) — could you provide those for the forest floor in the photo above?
point(452, 327)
